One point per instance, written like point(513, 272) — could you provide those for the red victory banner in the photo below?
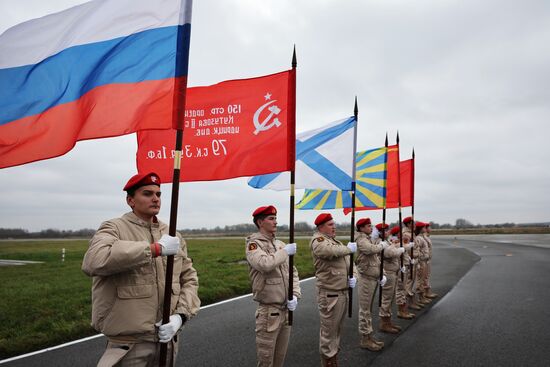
point(232, 129)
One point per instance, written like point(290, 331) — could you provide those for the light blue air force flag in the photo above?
point(324, 160)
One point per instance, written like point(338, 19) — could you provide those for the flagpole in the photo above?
point(383, 235)
point(352, 232)
point(292, 156)
point(399, 203)
point(178, 115)
point(412, 215)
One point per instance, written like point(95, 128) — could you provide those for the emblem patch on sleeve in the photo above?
point(252, 246)
point(320, 239)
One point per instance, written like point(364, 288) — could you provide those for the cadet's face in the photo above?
point(328, 228)
point(269, 224)
point(368, 229)
point(146, 202)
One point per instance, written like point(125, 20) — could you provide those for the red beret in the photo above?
point(265, 210)
point(361, 222)
point(427, 224)
point(394, 230)
point(322, 218)
point(420, 224)
point(141, 179)
point(380, 225)
point(407, 220)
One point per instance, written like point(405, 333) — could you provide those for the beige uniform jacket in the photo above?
point(368, 255)
point(423, 248)
point(331, 262)
point(429, 242)
point(128, 283)
point(392, 257)
point(268, 270)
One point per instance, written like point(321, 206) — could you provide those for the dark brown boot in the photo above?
point(421, 301)
point(428, 293)
point(413, 305)
point(386, 326)
point(403, 313)
point(368, 343)
point(425, 299)
point(379, 342)
point(395, 326)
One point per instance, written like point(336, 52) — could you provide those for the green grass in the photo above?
point(50, 303)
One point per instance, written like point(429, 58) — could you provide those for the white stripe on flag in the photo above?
point(324, 160)
point(99, 20)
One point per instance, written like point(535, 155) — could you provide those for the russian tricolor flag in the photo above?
point(104, 68)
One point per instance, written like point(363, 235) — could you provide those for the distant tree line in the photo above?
point(244, 229)
point(18, 233)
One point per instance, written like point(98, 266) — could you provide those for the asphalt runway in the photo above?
point(491, 312)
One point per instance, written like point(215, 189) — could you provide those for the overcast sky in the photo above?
point(467, 83)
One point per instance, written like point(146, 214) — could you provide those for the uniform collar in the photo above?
point(130, 216)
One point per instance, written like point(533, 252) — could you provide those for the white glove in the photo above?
point(408, 246)
point(383, 281)
point(413, 261)
point(352, 246)
point(292, 304)
point(169, 245)
point(290, 248)
point(351, 282)
point(401, 250)
point(403, 269)
point(385, 245)
point(167, 331)
point(375, 234)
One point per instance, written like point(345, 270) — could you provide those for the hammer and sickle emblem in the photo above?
point(265, 125)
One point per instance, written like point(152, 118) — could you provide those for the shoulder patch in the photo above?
point(320, 239)
point(252, 246)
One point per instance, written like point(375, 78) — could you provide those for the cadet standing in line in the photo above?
point(404, 282)
point(368, 267)
point(127, 260)
point(331, 261)
point(411, 285)
point(428, 292)
point(391, 271)
point(423, 257)
point(268, 271)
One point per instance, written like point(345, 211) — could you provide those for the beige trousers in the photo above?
point(388, 293)
point(272, 335)
point(332, 311)
point(421, 276)
point(366, 289)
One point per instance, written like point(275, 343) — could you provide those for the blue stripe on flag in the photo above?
point(65, 77)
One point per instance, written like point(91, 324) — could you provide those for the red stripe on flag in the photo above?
point(107, 111)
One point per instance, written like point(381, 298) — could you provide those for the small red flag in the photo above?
point(235, 128)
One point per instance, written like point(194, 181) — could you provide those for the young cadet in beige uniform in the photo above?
point(405, 283)
point(331, 262)
point(423, 257)
point(411, 283)
point(391, 270)
point(429, 293)
point(268, 271)
point(127, 260)
point(368, 267)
